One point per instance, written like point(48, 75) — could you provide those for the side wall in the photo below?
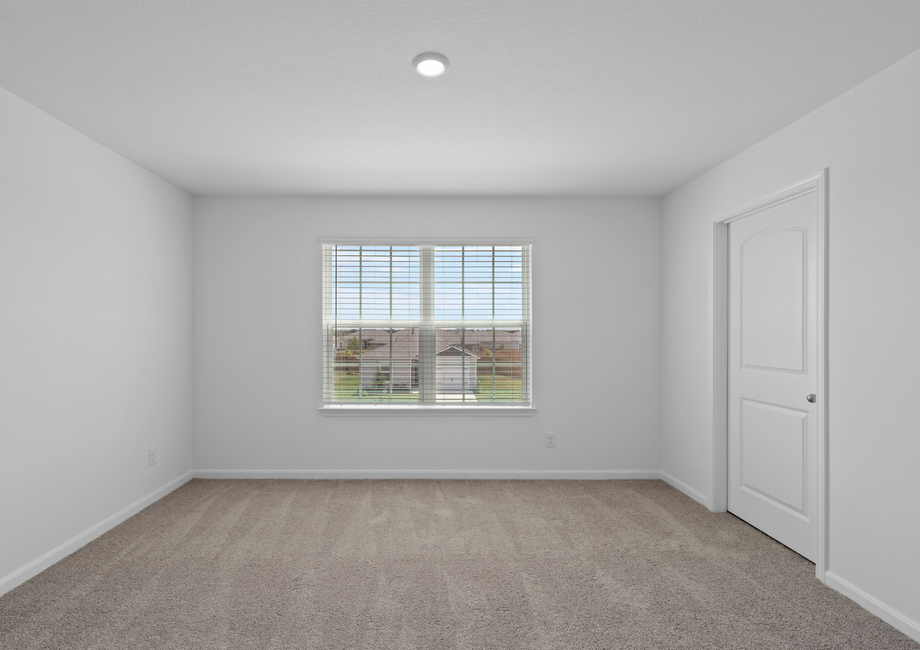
point(258, 341)
point(869, 138)
point(95, 338)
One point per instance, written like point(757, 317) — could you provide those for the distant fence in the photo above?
point(346, 363)
point(505, 356)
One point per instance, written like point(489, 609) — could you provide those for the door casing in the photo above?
point(816, 183)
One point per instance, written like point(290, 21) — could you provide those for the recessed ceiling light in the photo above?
point(430, 64)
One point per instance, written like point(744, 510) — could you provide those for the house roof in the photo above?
point(455, 351)
point(405, 342)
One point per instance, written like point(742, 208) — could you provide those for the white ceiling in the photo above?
point(543, 97)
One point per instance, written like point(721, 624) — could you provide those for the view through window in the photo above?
point(427, 324)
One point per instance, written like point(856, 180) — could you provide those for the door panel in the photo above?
point(774, 453)
point(772, 300)
point(772, 432)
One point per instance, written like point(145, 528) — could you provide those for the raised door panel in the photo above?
point(774, 454)
point(773, 296)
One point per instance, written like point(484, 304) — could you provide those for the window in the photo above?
point(434, 323)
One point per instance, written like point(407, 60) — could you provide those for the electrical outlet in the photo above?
point(550, 439)
point(151, 456)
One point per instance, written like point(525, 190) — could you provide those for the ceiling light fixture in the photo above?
point(430, 64)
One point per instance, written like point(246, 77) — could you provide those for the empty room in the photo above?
point(553, 325)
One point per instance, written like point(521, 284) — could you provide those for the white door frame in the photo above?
point(816, 183)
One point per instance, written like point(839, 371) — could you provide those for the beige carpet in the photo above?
point(433, 564)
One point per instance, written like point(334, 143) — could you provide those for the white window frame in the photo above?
point(427, 325)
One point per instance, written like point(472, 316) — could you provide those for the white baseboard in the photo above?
point(584, 475)
point(53, 556)
point(699, 497)
point(895, 619)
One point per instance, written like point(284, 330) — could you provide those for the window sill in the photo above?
point(434, 410)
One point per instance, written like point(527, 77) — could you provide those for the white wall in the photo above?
point(258, 340)
point(95, 336)
point(870, 140)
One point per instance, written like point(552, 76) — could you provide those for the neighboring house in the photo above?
point(397, 364)
point(456, 370)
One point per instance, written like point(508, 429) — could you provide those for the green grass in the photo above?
point(347, 385)
point(506, 389)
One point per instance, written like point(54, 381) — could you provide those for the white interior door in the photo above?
point(772, 371)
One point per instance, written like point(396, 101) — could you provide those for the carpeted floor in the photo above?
point(577, 565)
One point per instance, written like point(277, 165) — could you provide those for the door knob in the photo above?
point(812, 398)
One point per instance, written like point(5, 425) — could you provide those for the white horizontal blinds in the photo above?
point(375, 283)
point(371, 314)
point(482, 309)
point(435, 324)
point(480, 283)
